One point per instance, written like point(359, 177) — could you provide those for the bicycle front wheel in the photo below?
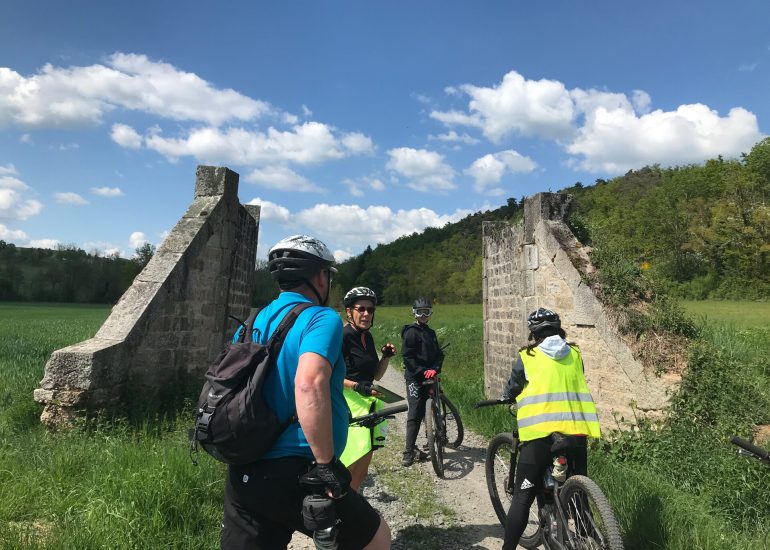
point(590, 520)
point(500, 465)
point(433, 428)
point(453, 424)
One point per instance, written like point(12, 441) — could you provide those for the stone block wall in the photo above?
point(174, 319)
point(539, 263)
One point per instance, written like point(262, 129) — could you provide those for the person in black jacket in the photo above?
point(422, 361)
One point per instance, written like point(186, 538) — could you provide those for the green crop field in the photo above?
point(741, 314)
point(122, 484)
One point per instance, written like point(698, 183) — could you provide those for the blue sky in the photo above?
point(357, 122)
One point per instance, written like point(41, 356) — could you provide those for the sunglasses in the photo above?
point(362, 309)
point(423, 312)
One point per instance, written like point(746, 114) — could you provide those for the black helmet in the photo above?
point(359, 293)
point(296, 259)
point(421, 304)
point(542, 318)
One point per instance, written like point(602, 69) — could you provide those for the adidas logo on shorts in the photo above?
point(526, 484)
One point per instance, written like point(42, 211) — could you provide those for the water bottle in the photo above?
point(560, 469)
point(325, 539)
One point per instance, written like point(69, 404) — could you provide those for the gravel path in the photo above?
point(472, 523)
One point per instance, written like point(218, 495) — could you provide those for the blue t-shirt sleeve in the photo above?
point(323, 335)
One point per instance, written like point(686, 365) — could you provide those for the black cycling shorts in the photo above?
point(263, 508)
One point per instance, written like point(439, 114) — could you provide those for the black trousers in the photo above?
point(263, 508)
point(416, 396)
point(534, 457)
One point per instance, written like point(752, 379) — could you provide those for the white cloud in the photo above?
point(271, 211)
point(604, 131)
point(489, 170)
point(107, 191)
point(355, 227)
point(357, 144)
point(137, 239)
point(453, 136)
point(11, 235)
point(8, 170)
point(283, 178)
point(308, 143)
point(13, 205)
point(68, 146)
point(70, 198)
point(748, 67)
point(57, 96)
point(641, 101)
point(425, 170)
point(44, 243)
point(306, 111)
point(26, 138)
point(125, 136)
point(341, 255)
point(358, 187)
point(618, 140)
point(541, 108)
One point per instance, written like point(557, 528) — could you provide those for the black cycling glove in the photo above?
point(334, 476)
point(364, 388)
point(388, 350)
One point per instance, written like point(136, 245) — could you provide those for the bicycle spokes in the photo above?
point(582, 523)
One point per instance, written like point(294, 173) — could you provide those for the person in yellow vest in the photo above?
point(364, 366)
point(552, 397)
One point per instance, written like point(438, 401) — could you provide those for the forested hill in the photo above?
point(699, 231)
point(443, 263)
point(67, 274)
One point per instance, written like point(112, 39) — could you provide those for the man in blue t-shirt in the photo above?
point(263, 500)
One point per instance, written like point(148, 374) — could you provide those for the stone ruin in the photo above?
point(173, 320)
point(540, 263)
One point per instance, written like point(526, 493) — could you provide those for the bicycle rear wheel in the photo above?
point(433, 427)
point(452, 422)
point(590, 520)
point(500, 466)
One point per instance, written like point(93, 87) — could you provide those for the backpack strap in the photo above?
point(248, 326)
point(279, 335)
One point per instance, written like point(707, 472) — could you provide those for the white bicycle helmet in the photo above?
point(359, 293)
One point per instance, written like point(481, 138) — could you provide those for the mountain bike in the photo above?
point(746, 448)
point(570, 515)
point(443, 425)
point(318, 511)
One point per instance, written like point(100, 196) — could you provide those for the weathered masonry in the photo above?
point(541, 264)
point(174, 318)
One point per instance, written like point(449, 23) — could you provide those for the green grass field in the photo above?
point(740, 314)
point(131, 485)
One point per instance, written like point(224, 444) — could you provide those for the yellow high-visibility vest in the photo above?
point(556, 397)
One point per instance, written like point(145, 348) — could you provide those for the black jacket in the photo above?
point(420, 350)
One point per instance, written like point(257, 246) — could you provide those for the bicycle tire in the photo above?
point(454, 437)
point(498, 469)
point(435, 445)
point(599, 525)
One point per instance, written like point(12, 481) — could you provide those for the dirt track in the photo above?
point(464, 490)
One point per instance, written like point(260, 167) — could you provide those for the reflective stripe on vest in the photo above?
point(556, 397)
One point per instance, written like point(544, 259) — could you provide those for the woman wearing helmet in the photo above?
point(363, 368)
point(550, 390)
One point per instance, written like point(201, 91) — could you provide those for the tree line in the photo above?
point(67, 274)
point(700, 231)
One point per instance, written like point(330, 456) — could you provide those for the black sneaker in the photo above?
point(408, 458)
point(421, 456)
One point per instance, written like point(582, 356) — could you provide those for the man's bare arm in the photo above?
point(314, 405)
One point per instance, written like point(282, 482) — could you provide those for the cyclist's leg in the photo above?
point(416, 397)
point(534, 457)
point(359, 470)
point(263, 504)
point(360, 524)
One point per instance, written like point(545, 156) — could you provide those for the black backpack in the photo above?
point(233, 422)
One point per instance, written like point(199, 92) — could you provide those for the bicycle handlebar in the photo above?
point(377, 416)
point(759, 453)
